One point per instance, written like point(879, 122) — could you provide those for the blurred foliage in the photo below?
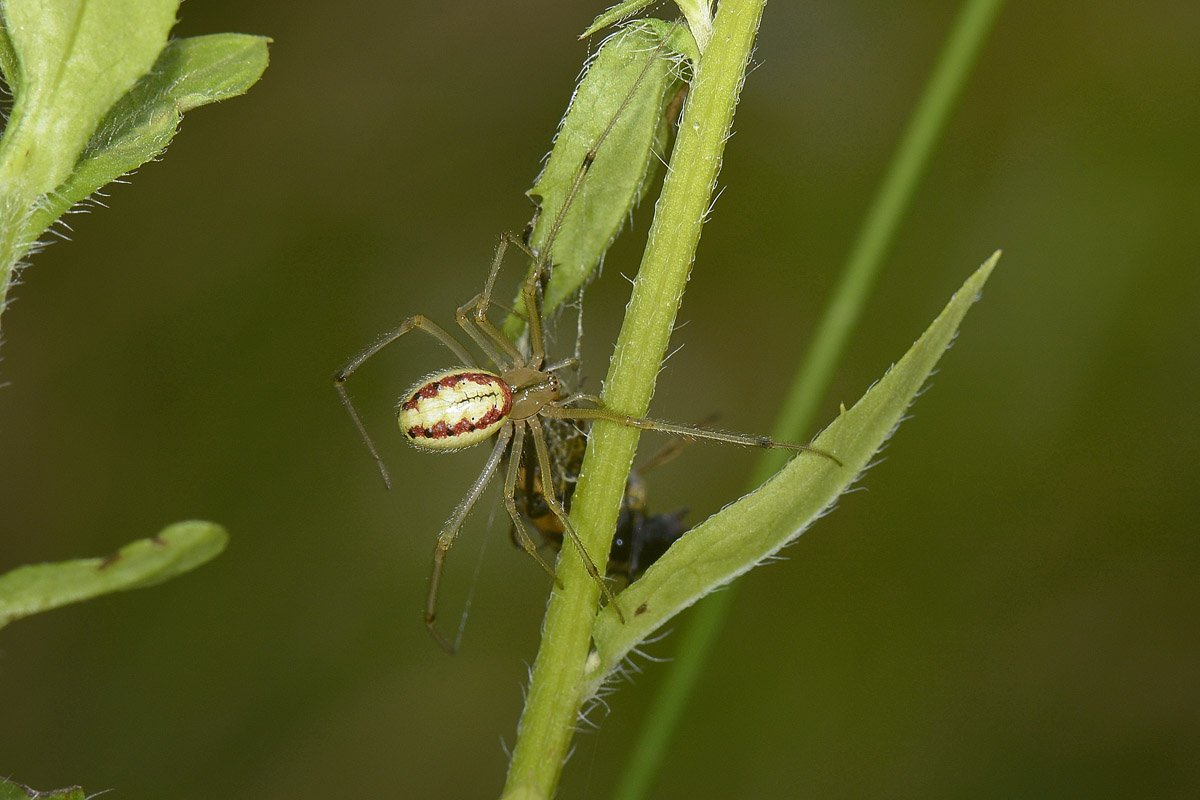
point(1006, 611)
point(97, 92)
point(15, 791)
point(174, 550)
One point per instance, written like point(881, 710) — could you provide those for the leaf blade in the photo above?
point(76, 59)
point(757, 526)
point(188, 73)
point(176, 549)
point(623, 99)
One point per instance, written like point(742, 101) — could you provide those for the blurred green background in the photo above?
point(1009, 610)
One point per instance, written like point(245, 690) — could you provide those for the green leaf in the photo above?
point(75, 58)
point(11, 790)
point(632, 81)
point(618, 13)
point(8, 58)
point(697, 13)
point(189, 73)
point(756, 527)
point(175, 550)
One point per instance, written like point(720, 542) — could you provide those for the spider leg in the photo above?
point(453, 526)
point(590, 157)
point(537, 334)
point(566, 363)
point(472, 315)
point(671, 450)
point(543, 453)
point(417, 322)
point(581, 397)
point(686, 431)
point(510, 502)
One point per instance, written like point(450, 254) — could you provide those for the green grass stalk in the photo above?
point(812, 379)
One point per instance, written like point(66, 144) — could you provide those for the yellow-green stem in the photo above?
point(555, 696)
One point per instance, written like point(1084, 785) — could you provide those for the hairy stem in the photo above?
point(556, 693)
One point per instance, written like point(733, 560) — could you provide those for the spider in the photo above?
point(466, 405)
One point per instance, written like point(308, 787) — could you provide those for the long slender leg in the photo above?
point(467, 320)
point(417, 322)
point(510, 502)
point(450, 532)
point(581, 397)
point(590, 156)
point(507, 238)
point(671, 450)
point(566, 363)
point(485, 334)
point(541, 260)
point(686, 431)
point(543, 453)
point(533, 313)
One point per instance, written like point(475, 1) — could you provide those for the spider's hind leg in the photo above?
point(451, 530)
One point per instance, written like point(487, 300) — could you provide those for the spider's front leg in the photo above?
point(416, 322)
point(675, 429)
point(472, 315)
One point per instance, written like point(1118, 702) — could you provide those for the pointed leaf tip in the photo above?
point(757, 526)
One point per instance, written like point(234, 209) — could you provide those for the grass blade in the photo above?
point(933, 109)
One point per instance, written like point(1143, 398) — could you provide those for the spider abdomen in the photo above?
point(454, 409)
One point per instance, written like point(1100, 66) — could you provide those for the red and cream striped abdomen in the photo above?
point(454, 409)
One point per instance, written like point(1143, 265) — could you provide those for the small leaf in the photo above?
point(11, 790)
point(697, 13)
point(618, 13)
point(626, 161)
point(754, 528)
point(75, 58)
point(175, 550)
point(8, 59)
point(189, 73)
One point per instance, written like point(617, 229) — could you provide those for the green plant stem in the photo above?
point(811, 383)
point(18, 196)
point(556, 692)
